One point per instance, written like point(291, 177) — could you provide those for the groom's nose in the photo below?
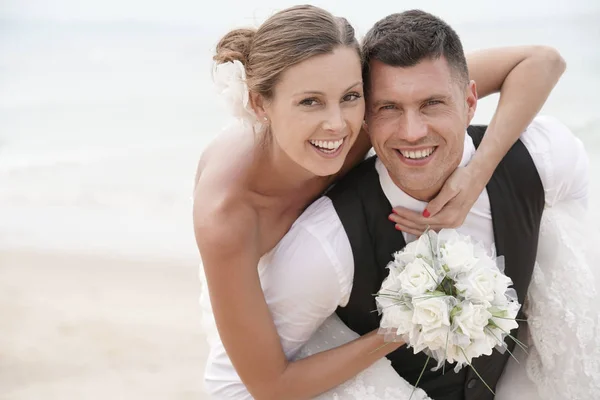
point(414, 128)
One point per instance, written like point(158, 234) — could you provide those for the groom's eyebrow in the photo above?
point(323, 94)
point(442, 97)
point(383, 102)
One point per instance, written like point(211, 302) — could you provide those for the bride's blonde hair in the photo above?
point(287, 38)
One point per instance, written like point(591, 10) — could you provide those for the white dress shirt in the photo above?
point(310, 272)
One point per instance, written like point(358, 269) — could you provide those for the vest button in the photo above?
point(472, 383)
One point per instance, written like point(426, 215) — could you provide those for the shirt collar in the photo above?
point(397, 197)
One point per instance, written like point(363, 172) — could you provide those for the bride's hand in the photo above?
point(448, 209)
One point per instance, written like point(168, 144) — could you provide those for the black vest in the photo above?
point(517, 201)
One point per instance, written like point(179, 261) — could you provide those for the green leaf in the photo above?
point(517, 341)
point(455, 311)
point(477, 373)
point(420, 376)
point(446, 352)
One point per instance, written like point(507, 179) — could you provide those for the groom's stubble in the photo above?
point(416, 109)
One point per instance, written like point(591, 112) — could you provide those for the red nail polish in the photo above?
point(426, 213)
point(390, 218)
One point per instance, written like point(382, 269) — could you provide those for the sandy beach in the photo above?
point(89, 327)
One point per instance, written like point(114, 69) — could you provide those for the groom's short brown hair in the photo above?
point(405, 39)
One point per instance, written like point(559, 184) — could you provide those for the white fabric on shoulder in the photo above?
point(308, 275)
point(323, 222)
point(560, 158)
point(304, 279)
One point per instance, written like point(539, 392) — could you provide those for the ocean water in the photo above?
point(102, 122)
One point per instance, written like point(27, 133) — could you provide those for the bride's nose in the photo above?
point(334, 120)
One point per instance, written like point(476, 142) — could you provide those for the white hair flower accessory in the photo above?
point(230, 81)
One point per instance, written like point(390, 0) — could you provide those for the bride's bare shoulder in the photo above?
point(221, 198)
point(225, 157)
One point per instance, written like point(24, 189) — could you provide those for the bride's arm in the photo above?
point(228, 242)
point(524, 76)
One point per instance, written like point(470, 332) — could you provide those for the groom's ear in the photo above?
point(471, 100)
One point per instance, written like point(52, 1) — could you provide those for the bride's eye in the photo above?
point(352, 96)
point(311, 101)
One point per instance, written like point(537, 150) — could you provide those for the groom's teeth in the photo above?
point(418, 154)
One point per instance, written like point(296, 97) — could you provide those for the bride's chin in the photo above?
point(329, 167)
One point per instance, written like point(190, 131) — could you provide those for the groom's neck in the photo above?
point(422, 195)
point(426, 194)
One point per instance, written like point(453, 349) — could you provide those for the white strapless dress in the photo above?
point(563, 309)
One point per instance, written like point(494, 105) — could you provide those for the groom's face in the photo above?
point(417, 117)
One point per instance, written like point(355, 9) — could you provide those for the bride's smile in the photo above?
point(317, 110)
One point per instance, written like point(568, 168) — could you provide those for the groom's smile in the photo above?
point(417, 117)
point(416, 157)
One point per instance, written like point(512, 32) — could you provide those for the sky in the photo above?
point(230, 12)
point(183, 33)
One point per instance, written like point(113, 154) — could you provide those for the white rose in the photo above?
point(420, 248)
point(405, 256)
point(500, 288)
point(457, 256)
point(431, 312)
point(478, 285)
point(477, 348)
point(504, 318)
point(391, 284)
point(436, 338)
point(413, 338)
point(501, 282)
point(418, 278)
point(426, 245)
point(463, 355)
point(455, 354)
point(398, 319)
point(396, 315)
point(470, 320)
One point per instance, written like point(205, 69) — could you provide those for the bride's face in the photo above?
point(317, 110)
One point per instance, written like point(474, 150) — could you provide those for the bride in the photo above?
point(295, 86)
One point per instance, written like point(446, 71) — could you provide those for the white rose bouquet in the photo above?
point(447, 297)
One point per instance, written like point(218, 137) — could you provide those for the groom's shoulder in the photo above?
point(551, 144)
point(546, 129)
point(560, 158)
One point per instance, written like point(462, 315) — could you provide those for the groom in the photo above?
point(419, 104)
